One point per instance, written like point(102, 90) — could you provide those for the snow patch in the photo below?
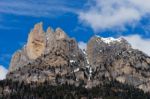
point(72, 61)
point(76, 70)
point(84, 52)
point(90, 71)
point(87, 66)
point(100, 50)
point(109, 39)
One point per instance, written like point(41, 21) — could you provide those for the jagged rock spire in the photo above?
point(60, 34)
point(50, 40)
point(42, 43)
point(55, 53)
point(36, 42)
point(49, 30)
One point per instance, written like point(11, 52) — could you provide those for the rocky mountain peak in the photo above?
point(55, 57)
point(60, 34)
point(116, 59)
point(38, 27)
point(49, 30)
point(52, 47)
point(98, 47)
point(108, 40)
point(36, 42)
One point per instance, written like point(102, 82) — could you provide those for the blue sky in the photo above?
point(80, 19)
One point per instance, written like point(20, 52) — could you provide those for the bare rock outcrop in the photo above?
point(115, 59)
point(54, 56)
point(32, 50)
point(36, 42)
point(19, 59)
point(50, 53)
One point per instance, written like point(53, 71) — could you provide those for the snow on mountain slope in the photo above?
point(108, 40)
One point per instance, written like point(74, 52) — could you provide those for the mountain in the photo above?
point(52, 62)
point(115, 59)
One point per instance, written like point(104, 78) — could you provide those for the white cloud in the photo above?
point(82, 45)
point(3, 72)
point(37, 8)
point(139, 43)
point(107, 14)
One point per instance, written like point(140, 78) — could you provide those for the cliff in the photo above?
point(54, 57)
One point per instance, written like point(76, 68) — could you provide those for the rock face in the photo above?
point(36, 42)
point(53, 56)
point(117, 60)
point(50, 53)
point(100, 50)
point(19, 59)
point(33, 49)
point(56, 43)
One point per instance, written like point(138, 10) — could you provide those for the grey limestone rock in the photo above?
point(54, 56)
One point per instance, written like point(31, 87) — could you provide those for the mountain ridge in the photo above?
point(54, 57)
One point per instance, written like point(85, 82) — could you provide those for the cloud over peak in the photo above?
point(3, 72)
point(138, 42)
point(82, 45)
point(108, 14)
